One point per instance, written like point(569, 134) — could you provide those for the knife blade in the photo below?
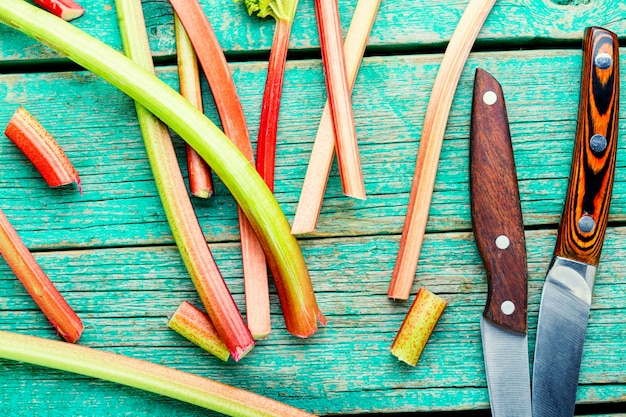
point(499, 234)
point(567, 291)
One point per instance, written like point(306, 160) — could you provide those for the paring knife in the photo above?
point(499, 234)
point(566, 297)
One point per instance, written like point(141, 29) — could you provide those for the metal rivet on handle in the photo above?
point(586, 224)
point(597, 143)
point(603, 60)
point(490, 98)
point(507, 307)
point(502, 242)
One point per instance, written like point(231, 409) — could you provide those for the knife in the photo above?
point(566, 297)
point(499, 234)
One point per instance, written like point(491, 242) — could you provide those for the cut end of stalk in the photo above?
point(417, 326)
point(41, 149)
point(65, 9)
point(194, 325)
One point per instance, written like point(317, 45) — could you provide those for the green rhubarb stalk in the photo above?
point(143, 375)
point(284, 256)
point(200, 182)
point(191, 242)
point(195, 326)
point(284, 12)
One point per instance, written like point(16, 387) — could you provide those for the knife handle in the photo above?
point(586, 211)
point(496, 209)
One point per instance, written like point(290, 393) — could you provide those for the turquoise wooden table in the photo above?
point(111, 253)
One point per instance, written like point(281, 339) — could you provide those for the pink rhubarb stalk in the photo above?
point(65, 9)
point(329, 27)
point(41, 149)
point(217, 72)
point(37, 283)
point(200, 182)
point(191, 242)
point(194, 325)
point(417, 326)
point(284, 12)
point(321, 159)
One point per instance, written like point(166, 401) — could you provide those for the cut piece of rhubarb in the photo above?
point(417, 326)
point(321, 159)
point(194, 325)
point(37, 283)
point(284, 12)
point(217, 72)
point(65, 9)
point(41, 149)
point(200, 182)
point(147, 376)
point(430, 144)
point(188, 235)
point(284, 255)
point(329, 27)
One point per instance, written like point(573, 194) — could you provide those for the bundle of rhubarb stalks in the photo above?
point(268, 242)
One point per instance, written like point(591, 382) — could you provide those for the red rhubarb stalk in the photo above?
point(65, 9)
point(284, 12)
point(200, 182)
point(321, 159)
point(329, 27)
point(37, 283)
point(41, 149)
point(217, 72)
point(194, 325)
point(191, 242)
point(417, 326)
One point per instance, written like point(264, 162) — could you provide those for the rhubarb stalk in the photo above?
point(226, 99)
point(284, 256)
point(144, 375)
point(200, 182)
point(65, 9)
point(195, 326)
point(329, 27)
point(430, 145)
point(41, 149)
point(417, 326)
point(37, 283)
point(321, 159)
point(188, 235)
point(284, 12)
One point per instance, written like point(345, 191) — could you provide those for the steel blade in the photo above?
point(507, 368)
point(563, 316)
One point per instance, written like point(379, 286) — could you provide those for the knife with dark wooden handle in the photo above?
point(499, 234)
point(567, 291)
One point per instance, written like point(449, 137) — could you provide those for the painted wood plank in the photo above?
point(97, 127)
point(401, 25)
point(345, 368)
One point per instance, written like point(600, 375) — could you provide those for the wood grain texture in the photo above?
point(496, 207)
point(402, 25)
point(113, 256)
point(586, 211)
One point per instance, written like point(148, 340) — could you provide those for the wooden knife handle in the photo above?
point(496, 210)
point(586, 211)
